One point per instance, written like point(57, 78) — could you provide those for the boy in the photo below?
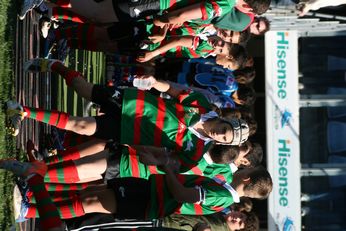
point(162, 194)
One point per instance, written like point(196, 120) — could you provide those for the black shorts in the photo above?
point(132, 197)
point(108, 126)
point(109, 98)
point(113, 162)
point(130, 10)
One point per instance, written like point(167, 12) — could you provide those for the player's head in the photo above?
point(234, 36)
point(259, 26)
point(245, 95)
point(253, 6)
point(253, 182)
point(224, 154)
point(250, 155)
point(235, 59)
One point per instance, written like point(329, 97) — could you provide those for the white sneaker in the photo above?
point(21, 207)
point(45, 26)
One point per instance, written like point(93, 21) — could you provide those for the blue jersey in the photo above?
point(208, 75)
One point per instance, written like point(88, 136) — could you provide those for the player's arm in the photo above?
point(160, 35)
point(178, 17)
point(181, 193)
point(184, 41)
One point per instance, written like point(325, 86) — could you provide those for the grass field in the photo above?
point(8, 15)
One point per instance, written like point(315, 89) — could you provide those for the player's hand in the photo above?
point(145, 56)
point(175, 25)
point(157, 22)
point(156, 38)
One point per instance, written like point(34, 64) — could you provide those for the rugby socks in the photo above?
point(54, 118)
point(64, 14)
point(81, 31)
point(49, 216)
point(67, 209)
point(65, 72)
point(64, 172)
point(82, 44)
point(54, 195)
point(71, 153)
point(56, 187)
point(60, 3)
point(78, 36)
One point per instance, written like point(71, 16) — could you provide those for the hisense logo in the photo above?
point(282, 46)
point(284, 153)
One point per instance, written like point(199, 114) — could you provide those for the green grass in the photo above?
point(8, 15)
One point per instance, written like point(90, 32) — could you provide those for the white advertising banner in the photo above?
point(282, 124)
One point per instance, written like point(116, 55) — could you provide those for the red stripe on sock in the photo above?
point(63, 119)
point(27, 110)
point(31, 211)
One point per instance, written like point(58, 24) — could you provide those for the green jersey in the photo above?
point(216, 197)
point(130, 166)
point(151, 120)
point(235, 20)
point(209, 8)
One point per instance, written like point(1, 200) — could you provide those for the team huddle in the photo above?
point(169, 149)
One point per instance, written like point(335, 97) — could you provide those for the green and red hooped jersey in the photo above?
point(217, 197)
point(130, 166)
point(234, 20)
point(151, 120)
point(209, 8)
point(203, 49)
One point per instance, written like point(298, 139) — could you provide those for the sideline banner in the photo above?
point(282, 124)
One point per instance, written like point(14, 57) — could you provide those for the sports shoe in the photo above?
point(45, 25)
point(24, 169)
point(14, 116)
point(39, 65)
point(27, 6)
point(21, 206)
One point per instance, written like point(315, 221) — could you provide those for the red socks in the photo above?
point(67, 209)
point(54, 118)
point(66, 73)
point(64, 14)
point(68, 154)
point(49, 216)
point(65, 172)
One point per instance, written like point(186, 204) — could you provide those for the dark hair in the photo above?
point(260, 182)
point(239, 54)
point(251, 222)
point(200, 226)
point(245, 204)
point(266, 22)
point(244, 36)
point(258, 6)
point(246, 94)
point(223, 154)
point(240, 113)
point(254, 156)
point(245, 75)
